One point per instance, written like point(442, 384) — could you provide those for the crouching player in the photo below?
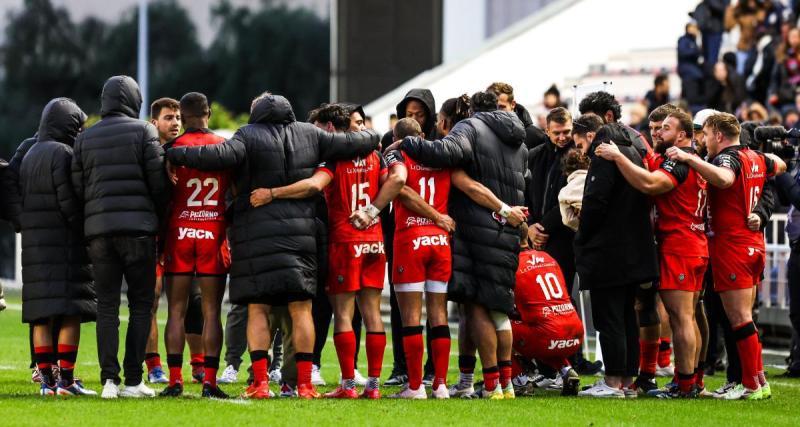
point(547, 327)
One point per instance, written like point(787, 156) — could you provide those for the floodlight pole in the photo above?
point(142, 59)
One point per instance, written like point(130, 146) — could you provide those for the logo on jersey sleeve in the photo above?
point(193, 233)
point(430, 241)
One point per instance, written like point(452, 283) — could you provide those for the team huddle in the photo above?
point(293, 216)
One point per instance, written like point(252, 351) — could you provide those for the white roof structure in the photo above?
point(552, 46)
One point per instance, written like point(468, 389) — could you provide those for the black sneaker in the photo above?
point(675, 393)
point(172, 390)
point(427, 379)
point(793, 371)
point(571, 383)
point(645, 385)
point(213, 392)
point(586, 367)
point(396, 379)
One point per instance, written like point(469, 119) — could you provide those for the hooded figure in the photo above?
point(119, 178)
point(274, 246)
point(56, 273)
point(425, 97)
point(490, 148)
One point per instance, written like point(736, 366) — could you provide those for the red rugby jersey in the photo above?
point(432, 184)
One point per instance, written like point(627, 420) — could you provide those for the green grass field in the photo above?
point(20, 404)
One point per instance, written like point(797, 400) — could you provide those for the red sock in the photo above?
point(505, 372)
point(43, 356)
point(345, 343)
point(376, 345)
point(685, 382)
point(67, 355)
point(152, 360)
point(197, 360)
point(210, 368)
point(648, 356)
point(175, 365)
point(516, 367)
point(699, 375)
point(747, 344)
point(440, 347)
point(762, 379)
point(303, 362)
point(260, 361)
point(664, 352)
point(490, 378)
point(413, 348)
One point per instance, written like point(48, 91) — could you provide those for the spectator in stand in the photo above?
point(552, 98)
point(726, 89)
point(790, 119)
point(689, 69)
point(638, 117)
point(760, 65)
point(710, 15)
point(747, 15)
point(786, 74)
point(659, 94)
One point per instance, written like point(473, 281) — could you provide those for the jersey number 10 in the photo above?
point(551, 288)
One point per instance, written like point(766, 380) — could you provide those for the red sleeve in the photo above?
point(326, 167)
point(384, 166)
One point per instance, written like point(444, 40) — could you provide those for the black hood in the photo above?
point(61, 121)
point(424, 96)
point(272, 109)
point(617, 132)
point(121, 96)
point(523, 115)
point(507, 126)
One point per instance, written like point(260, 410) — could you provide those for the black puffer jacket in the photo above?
point(274, 247)
point(614, 245)
point(56, 275)
point(11, 190)
point(118, 168)
point(490, 147)
point(424, 96)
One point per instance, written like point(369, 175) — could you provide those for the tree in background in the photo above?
point(45, 54)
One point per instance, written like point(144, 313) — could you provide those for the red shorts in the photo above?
point(735, 266)
point(353, 266)
point(682, 273)
point(550, 341)
point(199, 248)
point(422, 262)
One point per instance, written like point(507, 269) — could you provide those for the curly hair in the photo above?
point(484, 101)
point(599, 102)
point(456, 109)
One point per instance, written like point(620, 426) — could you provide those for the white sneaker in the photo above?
point(462, 390)
point(229, 375)
point(137, 391)
point(275, 376)
point(555, 383)
point(110, 390)
point(741, 392)
point(2, 304)
point(440, 392)
point(667, 371)
point(360, 379)
point(723, 390)
point(316, 376)
point(601, 390)
point(409, 393)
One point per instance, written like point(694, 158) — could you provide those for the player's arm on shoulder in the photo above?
point(484, 197)
point(775, 165)
point(391, 185)
point(302, 189)
point(211, 157)
point(720, 174)
point(650, 183)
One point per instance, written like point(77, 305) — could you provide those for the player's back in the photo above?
point(432, 184)
point(729, 208)
point(355, 185)
point(198, 195)
point(540, 293)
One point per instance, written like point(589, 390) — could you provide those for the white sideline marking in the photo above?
point(783, 384)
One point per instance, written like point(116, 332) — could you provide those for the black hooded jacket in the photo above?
point(424, 96)
point(274, 246)
point(118, 167)
point(489, 146)
point(614, 245)
point(12, 197)
point(56, 274)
